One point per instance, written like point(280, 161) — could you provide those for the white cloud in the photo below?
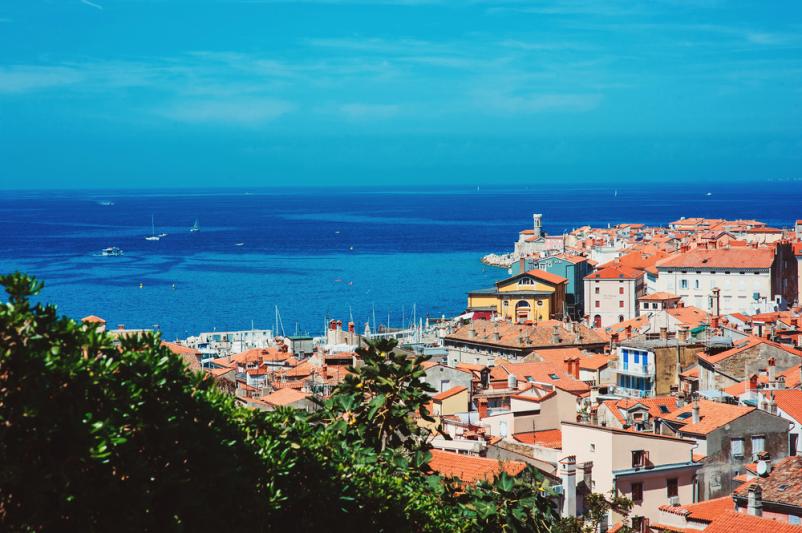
point(25, 78)
point(247, 112)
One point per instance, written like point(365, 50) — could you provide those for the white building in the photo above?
point(743, 275)
point(611, 295)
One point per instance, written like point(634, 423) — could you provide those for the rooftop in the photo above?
point(471, 469)
point(759, 258)
point(712, 415)
point(731, 521)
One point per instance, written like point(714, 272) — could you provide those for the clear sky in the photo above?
point(199, 93)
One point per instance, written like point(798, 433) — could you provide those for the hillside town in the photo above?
point(660, 364)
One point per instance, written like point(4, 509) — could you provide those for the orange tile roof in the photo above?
point(535, 336)
point(471, 469)
point(706, 511)
point(712, 415)
point(453, 391)
point(760, 258)
point(557, 356)
point(547, 276)
point(470, 367)
point(189, 355)
point(285, 396)
point(689, 315)
point(659, 296)
point(550, 438)
point(541, 371)
point(615, 272)
point(790, 401)
point(732, 521)
point(594, 362)
point(781, 485)
point(92, 319)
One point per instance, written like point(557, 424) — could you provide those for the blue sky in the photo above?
point(198, 93)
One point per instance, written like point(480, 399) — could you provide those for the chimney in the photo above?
point(748, 329)
point(567, 471)
point(628, 330)
point(772, 403)
point(663, 333)
point(573, 367)
point(472, 331)
point(481, 406)
point(614, 341)
point(555, 334)
point(512, 382)
point(682, 334)
point(695, 411)
point(587, 475)
point(496, 333)
point(714, 322)
point(772, 371)
point(716, 301)
point(753, 383)
point(754, 505)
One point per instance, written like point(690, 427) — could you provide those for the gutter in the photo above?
point(663, 468)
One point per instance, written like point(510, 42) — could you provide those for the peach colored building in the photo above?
point(651, 470)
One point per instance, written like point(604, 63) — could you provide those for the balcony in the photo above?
point(638, 370)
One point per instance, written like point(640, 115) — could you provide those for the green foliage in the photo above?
point(100, 435)
point(377, 398)
point(597, 508)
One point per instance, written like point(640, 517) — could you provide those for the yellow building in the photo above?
point(531, 296)
point(454, 400)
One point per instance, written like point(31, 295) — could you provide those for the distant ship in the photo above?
point(105, 203)
point(239, 244)
point(195, 227)
point(111, 251)
point(709, 194)
point(152, 236)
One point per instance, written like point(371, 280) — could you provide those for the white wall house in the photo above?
point(611, 295)
point(743, 276)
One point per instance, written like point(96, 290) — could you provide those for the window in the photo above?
point(620, 318)
point(592, 447)
point(758, 444)
point(620, 303)
point(737, 448)
point(505, 303)
point(654, 305)
point(683, 284)
point(639, 458)
point(637, 492)
point(598, 303)
point(672, 487)
point(597, 290)
point(696, 284)
point(620, 290)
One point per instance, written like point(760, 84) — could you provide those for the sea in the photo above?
point(290, 259)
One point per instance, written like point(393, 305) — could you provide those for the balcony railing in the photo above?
point(639, 370)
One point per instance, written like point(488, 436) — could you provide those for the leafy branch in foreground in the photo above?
point(98, 433)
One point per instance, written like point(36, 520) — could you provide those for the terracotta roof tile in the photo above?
point(615, 272)
point(550, 438)
point(92, 319)
point(284, 397)
point(471, 469)
point(781, 485)
point(547, 276)
point(706, 511)
point(453, 391)
point(712, 415)
point(732, 521)
point(790, 401)
point(760, 258)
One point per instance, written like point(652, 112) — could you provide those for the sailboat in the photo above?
point(152, 236)
point(195, 227)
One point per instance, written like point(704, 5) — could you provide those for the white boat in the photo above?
point(111, 251)
point(152, 236)
point(195, 227)
point(106, 203)
point(239, 244)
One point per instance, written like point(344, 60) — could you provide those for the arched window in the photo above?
point(620, 318)
point(597, 321)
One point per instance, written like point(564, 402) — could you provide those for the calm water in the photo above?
point(314, 253)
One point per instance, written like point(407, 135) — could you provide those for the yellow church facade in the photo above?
point(528, 297)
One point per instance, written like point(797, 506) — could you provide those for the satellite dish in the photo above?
point(762, 468)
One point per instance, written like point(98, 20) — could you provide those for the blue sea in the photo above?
point(316, 253)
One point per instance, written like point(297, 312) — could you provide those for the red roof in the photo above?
point(746, 344)
point(706, 511)
point(471, 469)
point(284, 397)
point(790, 402)
point(712, 415)
point(550, 438)
point(448, 393)
point(547, 276)
point(761, 258)
point(92, 319)
point(616, 272)
point(732, 521)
